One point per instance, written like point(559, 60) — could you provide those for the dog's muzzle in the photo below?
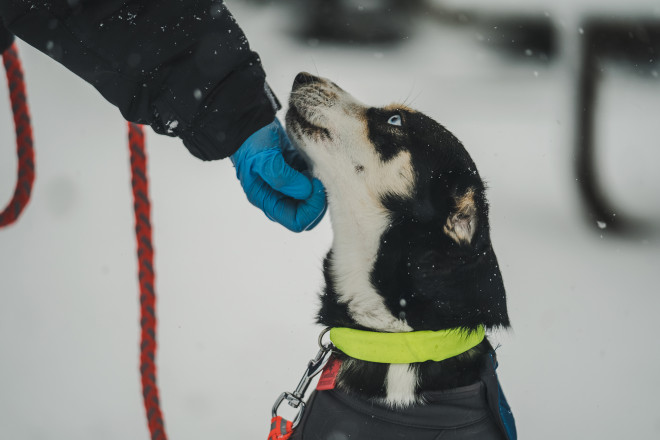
point(304, 79)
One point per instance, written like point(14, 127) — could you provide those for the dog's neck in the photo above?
point(403, 385)
point(358, 225)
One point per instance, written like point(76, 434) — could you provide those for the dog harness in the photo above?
point(476, 411)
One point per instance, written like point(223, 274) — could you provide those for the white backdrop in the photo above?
point(237, 293)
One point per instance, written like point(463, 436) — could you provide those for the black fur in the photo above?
point(425, 276)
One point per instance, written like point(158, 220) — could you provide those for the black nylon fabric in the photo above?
point(458, 414)
point(465, 413)
point(6, 37)
point(182, 66)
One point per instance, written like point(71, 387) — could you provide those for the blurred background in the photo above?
point(558, 104)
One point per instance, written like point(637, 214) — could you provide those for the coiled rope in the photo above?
point(24, 145)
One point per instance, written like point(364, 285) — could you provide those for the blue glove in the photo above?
point(285, 194)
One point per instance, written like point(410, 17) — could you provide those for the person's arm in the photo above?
point(183, 67)
point(6, 38)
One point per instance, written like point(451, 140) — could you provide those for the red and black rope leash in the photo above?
point(24, 146)
point(146, 276)
point(143, 234)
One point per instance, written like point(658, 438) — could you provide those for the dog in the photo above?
point(411, 252)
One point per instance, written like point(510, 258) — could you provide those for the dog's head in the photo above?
point(411, 243)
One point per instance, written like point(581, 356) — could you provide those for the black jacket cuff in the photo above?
point(6, 37)
point(228, 116)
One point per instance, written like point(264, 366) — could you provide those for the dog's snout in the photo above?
point(304, 78)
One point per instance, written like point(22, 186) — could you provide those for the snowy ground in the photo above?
point(237, 293)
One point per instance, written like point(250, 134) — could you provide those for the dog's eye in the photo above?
point(394, 120)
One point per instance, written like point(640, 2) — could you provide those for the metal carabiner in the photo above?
point(291, 399)
point(314, 367)
point(321, 344)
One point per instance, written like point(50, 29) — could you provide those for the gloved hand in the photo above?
point(284, 194)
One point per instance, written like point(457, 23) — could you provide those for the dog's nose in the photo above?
point(304, 78)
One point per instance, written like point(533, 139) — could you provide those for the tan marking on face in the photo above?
point(465, 204)
point(331, 95)
point(462, 223)
point(400, 107)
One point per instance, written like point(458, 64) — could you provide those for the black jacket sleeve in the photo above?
point(182, 66)
point(6, 38)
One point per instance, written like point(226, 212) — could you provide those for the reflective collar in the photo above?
point(406, 347)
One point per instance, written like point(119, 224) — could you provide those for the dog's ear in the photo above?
point(461, 223)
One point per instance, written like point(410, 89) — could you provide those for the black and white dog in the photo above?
point(411, 251)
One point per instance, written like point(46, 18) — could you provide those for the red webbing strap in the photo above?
point(24, 146)
point(280, 429)
point(145, 254)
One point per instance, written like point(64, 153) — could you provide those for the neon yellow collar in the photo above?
point(405, 348)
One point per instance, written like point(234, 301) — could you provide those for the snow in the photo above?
point(171, 125)
point(237, 294)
